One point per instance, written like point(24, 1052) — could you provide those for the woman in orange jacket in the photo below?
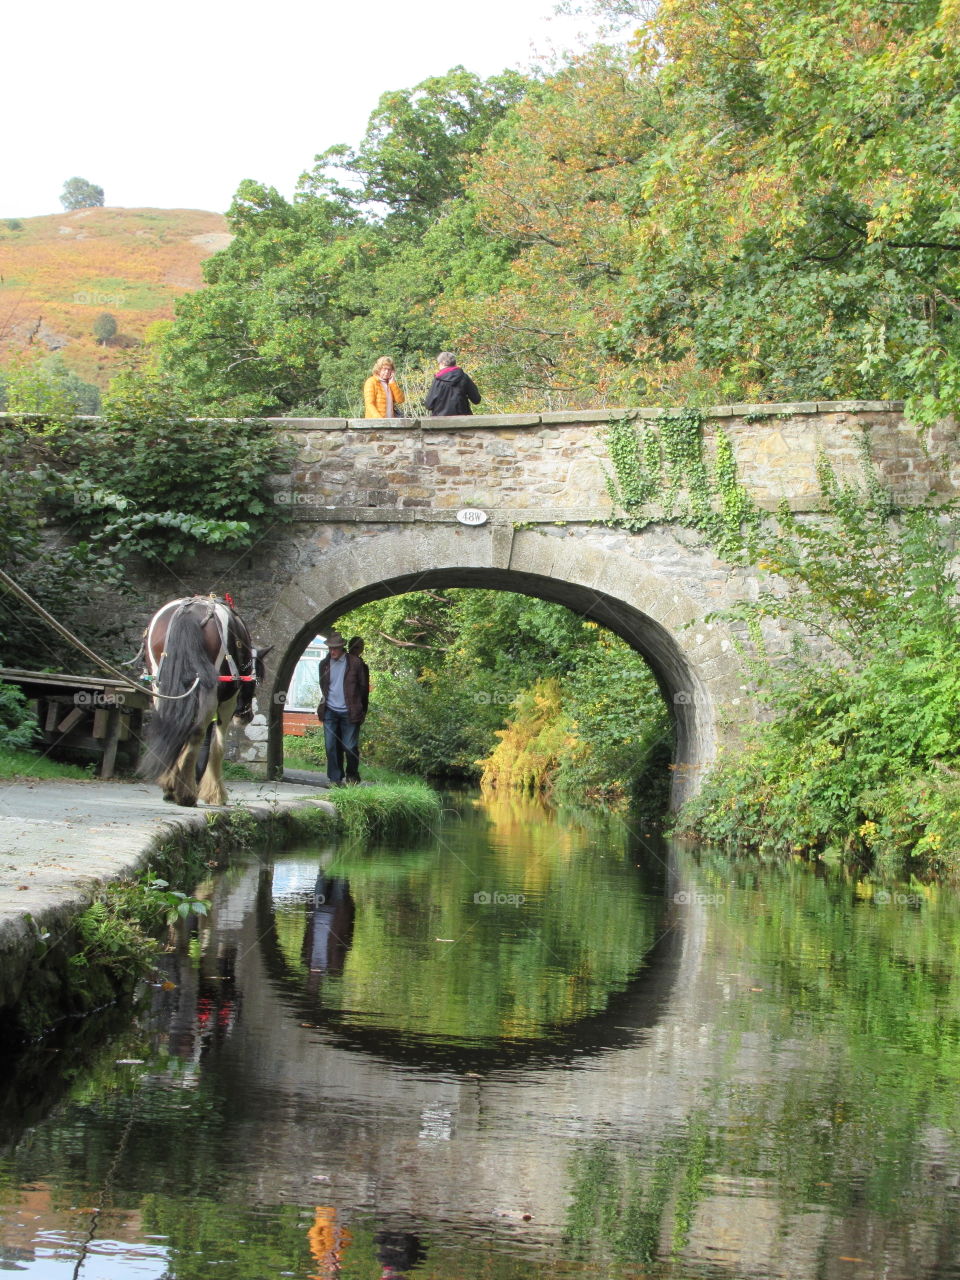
point(381, 393)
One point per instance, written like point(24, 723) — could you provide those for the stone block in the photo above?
point(574, 416)
point(308, 424)
point(860, 406)
point(778, 408)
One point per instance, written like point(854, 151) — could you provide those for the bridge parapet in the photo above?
point(552, 466)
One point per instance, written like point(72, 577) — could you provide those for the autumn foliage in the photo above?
point(60, 273)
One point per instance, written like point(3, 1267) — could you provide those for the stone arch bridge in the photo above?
point(373, 509)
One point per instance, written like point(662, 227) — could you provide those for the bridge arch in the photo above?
point(692, 660)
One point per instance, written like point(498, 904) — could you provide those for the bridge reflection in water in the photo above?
point(532, 1048)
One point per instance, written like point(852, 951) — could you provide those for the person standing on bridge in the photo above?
point(451, 392)
point(343, 707)
point(381, 391)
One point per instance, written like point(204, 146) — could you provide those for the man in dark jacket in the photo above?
point(343, 706)
point(452, 390)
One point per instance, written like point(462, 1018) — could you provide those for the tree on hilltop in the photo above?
point(78, 193)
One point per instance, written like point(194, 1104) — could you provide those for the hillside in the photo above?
point(59, 273)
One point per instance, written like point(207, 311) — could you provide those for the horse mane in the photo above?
point(185, 663)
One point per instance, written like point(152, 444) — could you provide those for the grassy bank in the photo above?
point(387, 810)
point(15, 764)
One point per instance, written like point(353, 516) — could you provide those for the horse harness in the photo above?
point(222, 614)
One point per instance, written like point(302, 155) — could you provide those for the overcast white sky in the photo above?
point(171, 106)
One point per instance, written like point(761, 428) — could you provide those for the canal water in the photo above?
point(534, 1045)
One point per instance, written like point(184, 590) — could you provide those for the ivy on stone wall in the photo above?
point(661, 474)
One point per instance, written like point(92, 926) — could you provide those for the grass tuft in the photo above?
point(386, 810)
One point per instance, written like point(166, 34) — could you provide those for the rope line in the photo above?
point(77, 643)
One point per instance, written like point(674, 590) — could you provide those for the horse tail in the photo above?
point(186, 669)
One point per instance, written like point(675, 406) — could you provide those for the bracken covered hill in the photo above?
point(59, 273)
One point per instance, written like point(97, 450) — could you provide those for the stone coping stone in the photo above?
point(860, 406)
point(553, 418)
point(562, 416)
point(777, 409)
point(467, 421)
point(309, 424)
point(383, 424)
point(573, 417)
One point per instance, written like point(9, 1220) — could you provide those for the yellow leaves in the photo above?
point(948, 19)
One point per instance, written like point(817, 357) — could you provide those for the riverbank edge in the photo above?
point(40, 981)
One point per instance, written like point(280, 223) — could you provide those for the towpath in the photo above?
point(59, 839)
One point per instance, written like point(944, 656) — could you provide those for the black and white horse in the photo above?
point(205, 669)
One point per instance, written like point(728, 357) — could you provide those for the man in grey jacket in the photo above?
point(343, 706)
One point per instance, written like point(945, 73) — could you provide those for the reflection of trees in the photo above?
point(426, 957)
point(845, 1129)
point(623, 1204)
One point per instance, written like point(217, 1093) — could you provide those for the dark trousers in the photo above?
point(341, 739)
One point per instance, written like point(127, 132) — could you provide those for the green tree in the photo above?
point(104, 328)
point(799, 223)
point(418, 143)
point(310, 291)
point(556, 180)
point(78, 193)
point(47, 387)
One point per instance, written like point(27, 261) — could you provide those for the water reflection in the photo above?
point(536, 941)
point(329, 931)
point(757, 1079)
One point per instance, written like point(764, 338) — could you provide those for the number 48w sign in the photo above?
point(472, 515)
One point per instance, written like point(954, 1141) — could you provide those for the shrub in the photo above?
point(17, 719)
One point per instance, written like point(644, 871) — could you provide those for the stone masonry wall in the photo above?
point(526, 464)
